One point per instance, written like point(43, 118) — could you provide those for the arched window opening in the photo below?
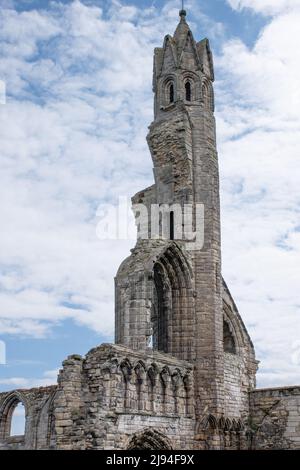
point(171, 299)
point(171, 93)
point(208, 96)
point(188, 91)
point(161, 310)
point(228, 339)
point(13, 417)
point(17, 427)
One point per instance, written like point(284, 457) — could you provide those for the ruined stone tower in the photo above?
point(172, 288)
point(182, 372)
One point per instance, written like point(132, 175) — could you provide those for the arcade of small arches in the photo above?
point(223, 433)
point(157, 388)
point(220, 424)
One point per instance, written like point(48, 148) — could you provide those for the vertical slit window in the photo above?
point(188, 91)
point(172, 225)
point(171, 93)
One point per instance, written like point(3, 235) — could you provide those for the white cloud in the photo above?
point(7, 4)
point(61, 157)
point(268, 7)
point(73, 135)
point(49, 378)
point(259, 140)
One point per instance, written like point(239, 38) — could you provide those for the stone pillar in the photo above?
point(68, 401)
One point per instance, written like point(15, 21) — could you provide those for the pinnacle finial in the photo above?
point(182, 12)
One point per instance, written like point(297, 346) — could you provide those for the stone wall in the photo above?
point(107, 400)
point(155, 285)
point(114, 392)
point(275, 418)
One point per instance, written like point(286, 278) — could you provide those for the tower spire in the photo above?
point(182, 12)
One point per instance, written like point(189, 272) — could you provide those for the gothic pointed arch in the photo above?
point(187, 51)
point(149, 439)
point(227, 425)
point(221, 423)
point(126, 369)
point(46, 415)
point(208, 95)
point(7, 409)
point(238, 333)
point(206, 58)
point(212, 422)
point(169, 58)
point(165, 376)
point(233, 331)
point(172, 304)
point(239, 425)
point(140, 371)
point(152, 374)
point(168, 91)
point(188, 90)
point(229, 340)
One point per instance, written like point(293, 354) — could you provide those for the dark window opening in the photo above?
point(228, 338)
point(188, 91)
point(172, 225)
point(171, 92)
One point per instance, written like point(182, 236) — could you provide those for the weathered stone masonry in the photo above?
point(182, 372)
point(39, 431)
point(275, 418)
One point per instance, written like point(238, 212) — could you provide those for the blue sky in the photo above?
point(79, 100)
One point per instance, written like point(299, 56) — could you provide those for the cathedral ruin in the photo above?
point(181, 374)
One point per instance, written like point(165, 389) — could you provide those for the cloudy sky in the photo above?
point(78, 79)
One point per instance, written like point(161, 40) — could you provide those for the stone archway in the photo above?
point(149, 439)
point(173, 304)
point(7, 410)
